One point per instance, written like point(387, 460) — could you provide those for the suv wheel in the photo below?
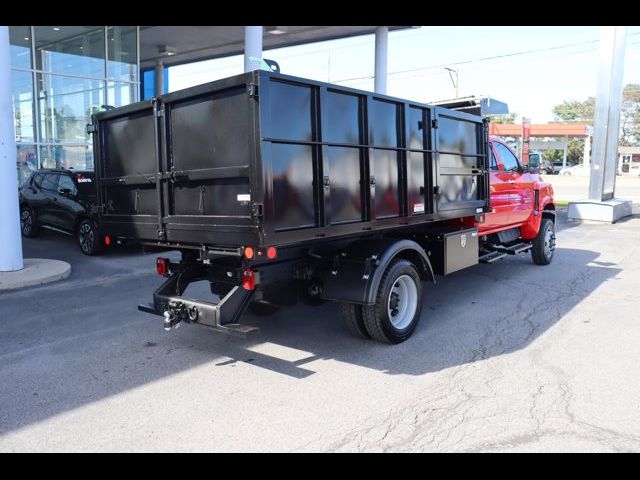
point(88, 238)
point(28, 225)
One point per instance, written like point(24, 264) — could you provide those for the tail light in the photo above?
point(249, 252)
point(248, 279)
point(162, 266)
point(272, 252)
point(107, 240)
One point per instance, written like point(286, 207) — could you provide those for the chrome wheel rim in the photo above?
point(87, 237)
point(549, 242)
point(402, 302)
point(26, 221)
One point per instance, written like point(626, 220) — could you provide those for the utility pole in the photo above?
point(456, 82)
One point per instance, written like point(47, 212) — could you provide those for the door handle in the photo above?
point(512, 181)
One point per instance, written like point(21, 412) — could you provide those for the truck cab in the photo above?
point(520, 198)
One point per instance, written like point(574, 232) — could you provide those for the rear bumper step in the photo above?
point(222, 317)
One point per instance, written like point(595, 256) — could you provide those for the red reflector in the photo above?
point(248, 279)
point(162, 266)
point(272, 252)
point(249, 252)
point(107, 240)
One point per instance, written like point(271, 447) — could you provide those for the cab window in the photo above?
point(507, 158)
point(493, 166)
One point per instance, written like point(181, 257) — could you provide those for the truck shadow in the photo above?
point(485, 311)
point(70, 352)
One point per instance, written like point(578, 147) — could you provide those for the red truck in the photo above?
point(278, 189)
point(522, 208)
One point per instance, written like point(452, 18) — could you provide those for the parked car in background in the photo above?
point(575, 170)
point(64, 201)
point(557, 166)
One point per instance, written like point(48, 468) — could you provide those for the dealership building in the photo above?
point(60, 75)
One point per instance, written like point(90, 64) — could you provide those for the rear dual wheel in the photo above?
point(396, 312)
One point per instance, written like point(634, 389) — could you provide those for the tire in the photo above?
point(352, 317)
point(545, 243)
point(89, 240)
point(262, 309)
point(28, 225)
point(396, 312)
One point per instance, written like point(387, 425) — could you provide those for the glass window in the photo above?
point(119, 93)
point(27, 162)
point(66, 105)
point(37, 179)
point(494, 165)
point(507, 158)
point(77, 50)
point(72, 157)
point(122, 45)
point(50, 182)
point(66, 182)
point(22, 96)
point(20, 41)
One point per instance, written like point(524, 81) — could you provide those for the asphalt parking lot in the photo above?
point(507, 357)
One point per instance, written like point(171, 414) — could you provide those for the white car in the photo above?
point(575, 170)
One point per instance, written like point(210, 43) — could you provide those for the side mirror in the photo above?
point(534, 163)
point(66, 192)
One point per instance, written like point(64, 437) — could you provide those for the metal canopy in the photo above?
point(183, 44)
point(475, 105)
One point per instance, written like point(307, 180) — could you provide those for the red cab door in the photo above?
point(519, 194)
point(501, 188)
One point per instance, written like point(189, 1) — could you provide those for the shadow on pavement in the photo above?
point(82, 344)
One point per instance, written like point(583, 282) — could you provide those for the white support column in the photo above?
point(564, 151)
point(586, 152)
point(607, 115)
point(252, 48)
point(380, 79)
point(601, 203)
point(10, 240)
point(159, 78)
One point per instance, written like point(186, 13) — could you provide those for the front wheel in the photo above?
point(396, 312)
point(544, 244)
point(88, 238)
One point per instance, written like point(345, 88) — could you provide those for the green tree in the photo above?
point(630, 115)
point(574, 111)
point(505, 118)
point(584, 112)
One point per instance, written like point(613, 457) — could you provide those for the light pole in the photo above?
point(456, 81)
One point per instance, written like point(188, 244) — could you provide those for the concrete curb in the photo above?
point(36, 271)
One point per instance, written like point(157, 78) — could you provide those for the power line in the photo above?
point(482, 59)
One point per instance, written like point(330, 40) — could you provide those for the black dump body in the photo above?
point(267, 159)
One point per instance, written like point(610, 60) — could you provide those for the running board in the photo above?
point(491, 257)
point(513, 249)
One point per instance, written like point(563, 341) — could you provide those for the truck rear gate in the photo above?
point(268, 159)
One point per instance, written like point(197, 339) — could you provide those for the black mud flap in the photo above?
point(222, 317)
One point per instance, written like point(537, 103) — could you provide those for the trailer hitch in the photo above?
point(178, 312)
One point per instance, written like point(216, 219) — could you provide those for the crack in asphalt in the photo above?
point(442, 419)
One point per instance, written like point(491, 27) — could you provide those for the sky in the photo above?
point(530, 68)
